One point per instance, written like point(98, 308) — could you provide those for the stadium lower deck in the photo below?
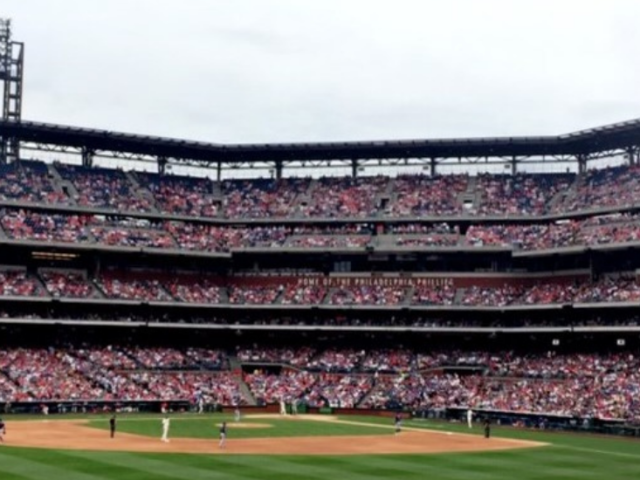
point(602, 386)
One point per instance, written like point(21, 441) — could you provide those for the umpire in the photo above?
point(112, 425)
point(487, 428)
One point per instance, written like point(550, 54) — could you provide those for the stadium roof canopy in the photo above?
point(624, 136)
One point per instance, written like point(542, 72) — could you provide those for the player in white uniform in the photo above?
point(166, 423)
point(236, 414)
point(470, 418)
point(283, 407)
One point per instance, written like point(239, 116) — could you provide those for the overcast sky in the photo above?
point(295, 70)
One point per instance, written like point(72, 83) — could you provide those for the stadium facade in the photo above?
point(144, 287)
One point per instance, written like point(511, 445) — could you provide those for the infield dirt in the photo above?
point(78, 435)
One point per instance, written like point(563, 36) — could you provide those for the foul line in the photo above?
point(594, 450)
point(528, 443)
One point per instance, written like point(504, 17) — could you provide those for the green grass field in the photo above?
point(568, 457)
point(196, 427)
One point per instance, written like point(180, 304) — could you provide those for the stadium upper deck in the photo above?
point(380, 198)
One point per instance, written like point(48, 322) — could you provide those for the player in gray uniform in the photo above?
point(223, 435)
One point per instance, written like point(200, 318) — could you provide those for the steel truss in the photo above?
point(11, 77)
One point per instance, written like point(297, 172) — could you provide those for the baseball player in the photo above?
point(398, 423)
point(294, 406)
point(470, 418)
point(112, 425)
point(236, 414)
point(283, 407)
point(223, 435)
point(487, 428)
point(166, 423)
point(3, 430)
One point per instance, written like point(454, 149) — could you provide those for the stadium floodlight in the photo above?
point(5, 49)
point(11, 76)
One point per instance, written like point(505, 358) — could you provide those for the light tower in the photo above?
point(11, 72)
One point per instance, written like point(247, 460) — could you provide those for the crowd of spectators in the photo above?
point(190, 289)
point(256, 295)
point(547, 294)
point(298, 357)
point(600, 385)
point(490, 297)
point(177, 195)
point(29, 182)
point(124, 286)
point(367, 295)
point(48, 374)
point(337, 391)
point(525, 237)
point(271, 388)
point(387, 360)
point(437, 296)
point(262, 198)
point(427, 241)
point(336, 360)
point(609, 187)
point(345, 197)
point(607, 234)
point(212, 238)
point(45, 227)
point(66, 284)
point(215, 388)
point(106, 357)
point(104, 188)
point(520, 194)
point(423, 196)
point(109, 373)
point(587, 318)
point(329, 241)
point(609, 290)
point(128, 234)
point(21, 224)
point(160, 358)
point(303, 295)
point(422, 228)
point(605, 289)
point(396, 391)
point(334, 197)
point(18, 283)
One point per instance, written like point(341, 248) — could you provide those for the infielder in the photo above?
point(470, 418)
point(223, 435)
point(236, 414)
point(3, 430)
point(166, 423)
point(112, 425)
point(398, 423)
point(487, 428)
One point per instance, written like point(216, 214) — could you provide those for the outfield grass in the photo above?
point(569, 457)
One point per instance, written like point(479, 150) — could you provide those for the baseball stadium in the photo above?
point(176, 309)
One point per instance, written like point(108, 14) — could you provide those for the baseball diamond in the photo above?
point(452, 305)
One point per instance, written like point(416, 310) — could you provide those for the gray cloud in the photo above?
point(286, 70)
